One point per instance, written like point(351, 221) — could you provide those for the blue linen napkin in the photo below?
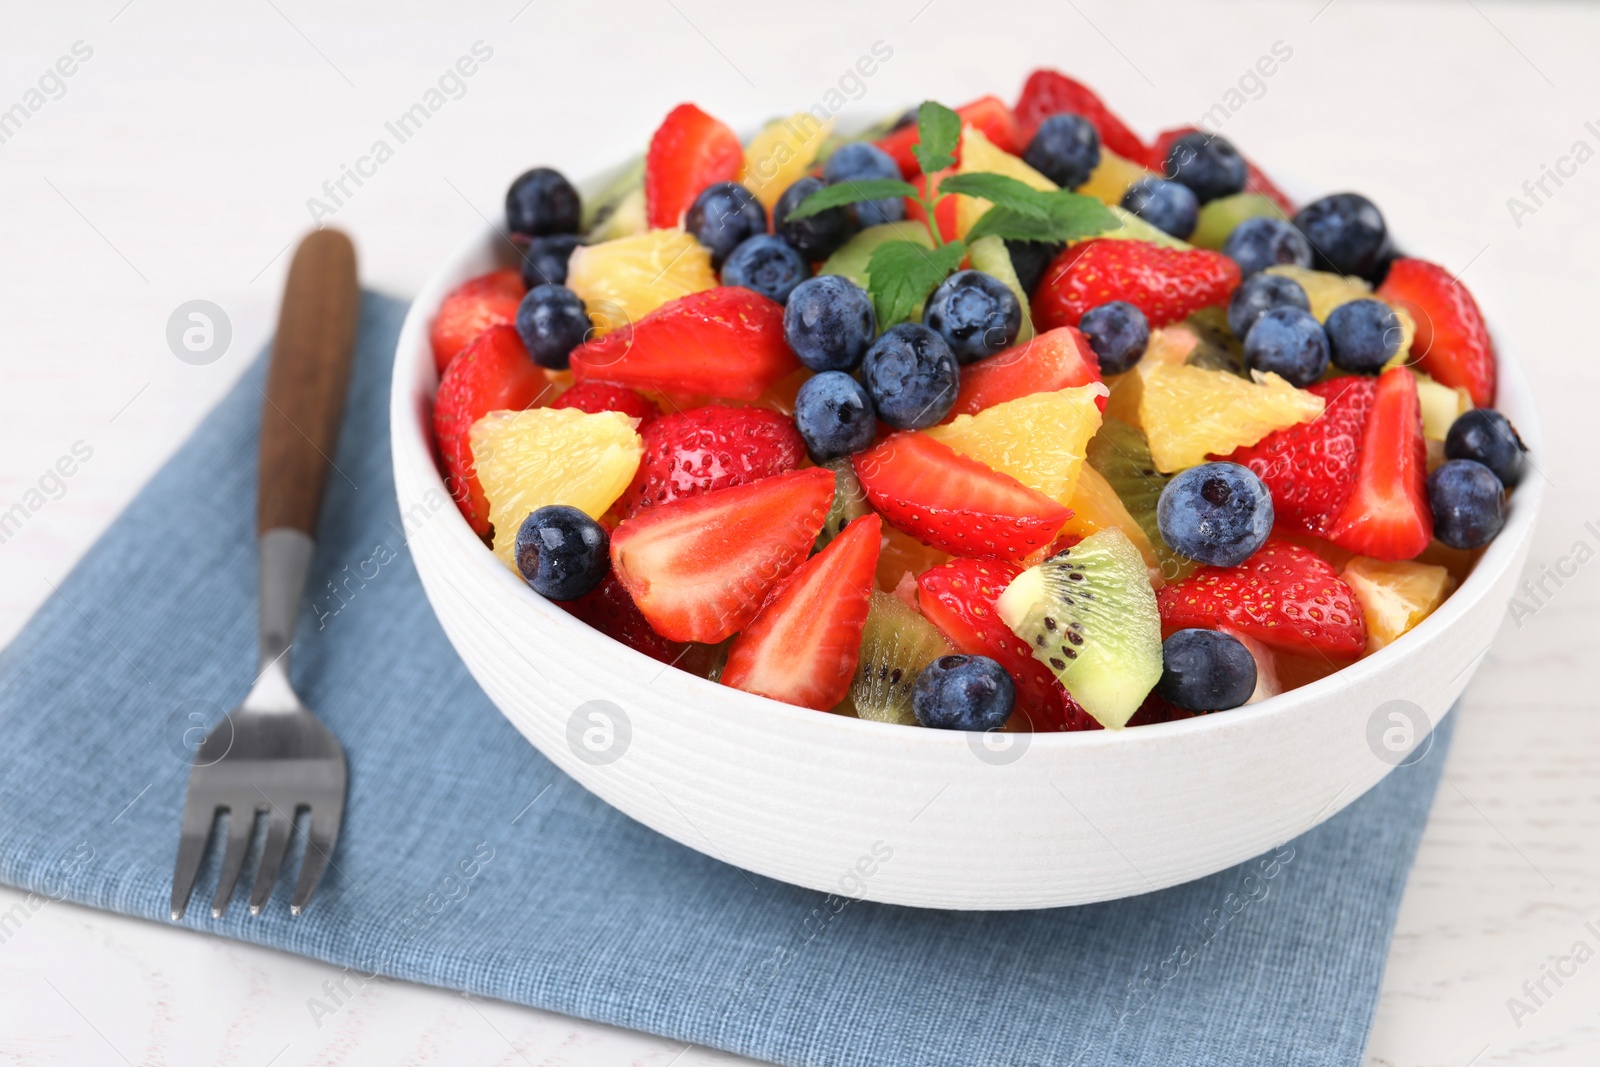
point(468, 861)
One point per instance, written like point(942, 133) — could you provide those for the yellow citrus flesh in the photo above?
point(980, 156)
point(1096, 506)
point(1040, 440)
point(1111, 179)
point(1395, 596)
point(1168, 345)
point(1190, 413)
point(624, 280)
point(781, 154)
point(527, 459)
point(1441, 406)
point(1325, 290)
point(904, 556)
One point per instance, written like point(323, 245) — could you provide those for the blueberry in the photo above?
point(1262, 242)
point(561, 552)
point(540, 202)
point(834, 415)
point(1362, 335)
point(963, 693)
point(1487, 436)
point(1260, 293)
point(1347, 234)
point(911, 376)
point(544, 261)
point(1169, 206)
point(1207, 164)
point(552, 321)
point(1206, 670)
point(1118, 332)
point(1030, 259)
point(829, 322)
point(722, 217)
point(820, 235)
point(1066, 150)
point(1469, 503)
point(767, 264)
point(1216, 513)
point(1290, 343)
point(975, 313)
point(864, 161)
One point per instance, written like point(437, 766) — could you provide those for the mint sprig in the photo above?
point(851, 192)
point(901, 274)
point(938, 134)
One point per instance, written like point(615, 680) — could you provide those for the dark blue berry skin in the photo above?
point(1030, 259)
point(1216, 513)
point(1469, 503)
point(1169, 206)
point(963, 693)
point(1066, 149)
point(819, 236)
point(829, 323)
point(1362, 335)
point(1290, 343)
point(834, 416)
point(723, 217)
point(1259, 243)
point(1119, 333)
point(544, 261)
point(768, 265)
point(1206, 670)
point(1260, 293)
point(1347, 234)
point(1209, 165)
point(911, 377)
point(1487, 436)
point(975, 313)
point(552, 321)
point(561, 552)
point(542, 202)
point(862, 161)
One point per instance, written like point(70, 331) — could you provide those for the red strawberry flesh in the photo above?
point(1057, 359)
point(595, 397)
point(1387, 515)
point(689, 151)
point(1049, 92)
point(709, 448)
point(1452, 342)
point(1167, 284)
point(471, 308)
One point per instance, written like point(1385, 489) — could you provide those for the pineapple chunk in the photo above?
point(1441, 405)
point(781, 154)
point(1190, 413)
point(1395, 596)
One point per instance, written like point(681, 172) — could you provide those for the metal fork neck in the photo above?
point(285, 559)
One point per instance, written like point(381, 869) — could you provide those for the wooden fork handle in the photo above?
point(306, 381)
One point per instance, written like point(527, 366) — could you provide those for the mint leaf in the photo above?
point(851, 192)
point(901, 274)
point(938, 133)
point(1000, 191)
point(1068, 217)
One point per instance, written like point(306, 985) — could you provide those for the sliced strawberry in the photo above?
point(1452, 342)
point(1157, 708)
point(1167, 284)
point(609, 609)
point(803, 647)
point(944, 211)
point(988, 114)
point(1284, 596)
point(700, 568)
point(1049, 92)
point(725, 342)
point(1056, 359)
point(709, 448)
point(1310, 468)
point(495, 373)
point(1387, 515)
point(689, 151)
point(471, 308)
point(952, 502)
point(1255, 180)
point(595, 397)
point(959, 597)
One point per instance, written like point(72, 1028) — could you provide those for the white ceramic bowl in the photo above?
point(929, 818)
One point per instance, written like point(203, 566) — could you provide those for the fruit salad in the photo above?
point(988, 417)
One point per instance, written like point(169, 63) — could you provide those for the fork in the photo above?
point(270, 756)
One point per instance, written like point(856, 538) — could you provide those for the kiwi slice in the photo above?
point(849, 502)
point(895, 645)
point(990, 255)
point(851, 260)
point(1219, 217)
point(618, 209)
point(1121, 454)
point(1089, 614)
point(1216, 347)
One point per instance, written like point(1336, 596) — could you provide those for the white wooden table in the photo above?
point(176, 162)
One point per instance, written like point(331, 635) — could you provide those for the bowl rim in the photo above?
point(411, 433)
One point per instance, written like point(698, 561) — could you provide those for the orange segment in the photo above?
point(624, 280)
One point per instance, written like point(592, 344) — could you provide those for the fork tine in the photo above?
point(324, 831)
point(241, 823)
point(278, 827)
point(196, 830)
